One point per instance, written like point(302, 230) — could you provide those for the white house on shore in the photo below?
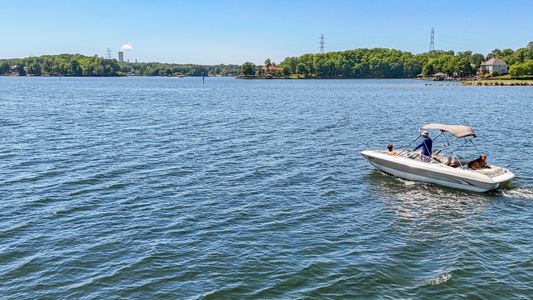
point(493, 65)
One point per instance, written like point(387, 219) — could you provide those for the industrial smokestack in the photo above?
point(126, 47)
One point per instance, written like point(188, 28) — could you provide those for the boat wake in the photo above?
point(440, 279)
point(406, 182)
point(398, 179)
point(519, 192)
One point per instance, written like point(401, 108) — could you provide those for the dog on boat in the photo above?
point(479, 163)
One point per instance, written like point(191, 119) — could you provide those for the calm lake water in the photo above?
point(166, 188)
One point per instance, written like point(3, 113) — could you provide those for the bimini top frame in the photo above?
point(459, 131)
point(467, 138)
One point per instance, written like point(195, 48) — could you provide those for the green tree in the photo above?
point(75, 68)
point(494, 53)
point(21, 69)
point(100, 70)
point(301, 69)
point(522, 69)
point(346, 69)
point(290, 63)
point(4, 67)
point(477, 59)
point(198, 71)
point(464, 68)
point(248, 69)
point(428, 70)
point(34, 69)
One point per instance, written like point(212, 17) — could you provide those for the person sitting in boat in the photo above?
point(426, 145)
point(391, 151)
point(479, 163)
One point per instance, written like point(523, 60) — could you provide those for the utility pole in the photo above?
point(322, 43)
point(432, 43)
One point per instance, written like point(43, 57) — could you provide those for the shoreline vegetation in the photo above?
point(363, 63)
point(498, 82)
point(77, 65)
point(470, 82)
point(377, 63)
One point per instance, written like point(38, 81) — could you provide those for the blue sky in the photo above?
point(209, 32)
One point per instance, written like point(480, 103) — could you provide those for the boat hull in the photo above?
point(440, 174)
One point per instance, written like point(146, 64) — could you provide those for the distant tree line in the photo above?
point(357, 63)
point(391, 63)
point(160, 69)
point(80, 65)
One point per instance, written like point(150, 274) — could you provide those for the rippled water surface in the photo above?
point(166, 188)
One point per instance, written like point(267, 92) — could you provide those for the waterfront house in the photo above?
point(272, 69)
point(493, 65)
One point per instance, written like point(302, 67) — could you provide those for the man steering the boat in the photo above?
point(426, 145)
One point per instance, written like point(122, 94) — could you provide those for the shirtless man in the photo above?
point(390, 150)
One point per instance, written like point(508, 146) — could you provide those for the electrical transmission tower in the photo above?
point(108, 53)
point(432, 43)
point(322, 43)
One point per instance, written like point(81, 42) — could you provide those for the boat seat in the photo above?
point(450, 161)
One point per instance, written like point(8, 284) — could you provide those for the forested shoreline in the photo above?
point(391, 63)
point(80, 65)
point(356, 63)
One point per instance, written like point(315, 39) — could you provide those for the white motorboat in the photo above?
point(444, 166)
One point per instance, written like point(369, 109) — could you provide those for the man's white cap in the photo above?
point(425, 132)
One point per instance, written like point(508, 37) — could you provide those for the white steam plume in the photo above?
point(126, 47)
